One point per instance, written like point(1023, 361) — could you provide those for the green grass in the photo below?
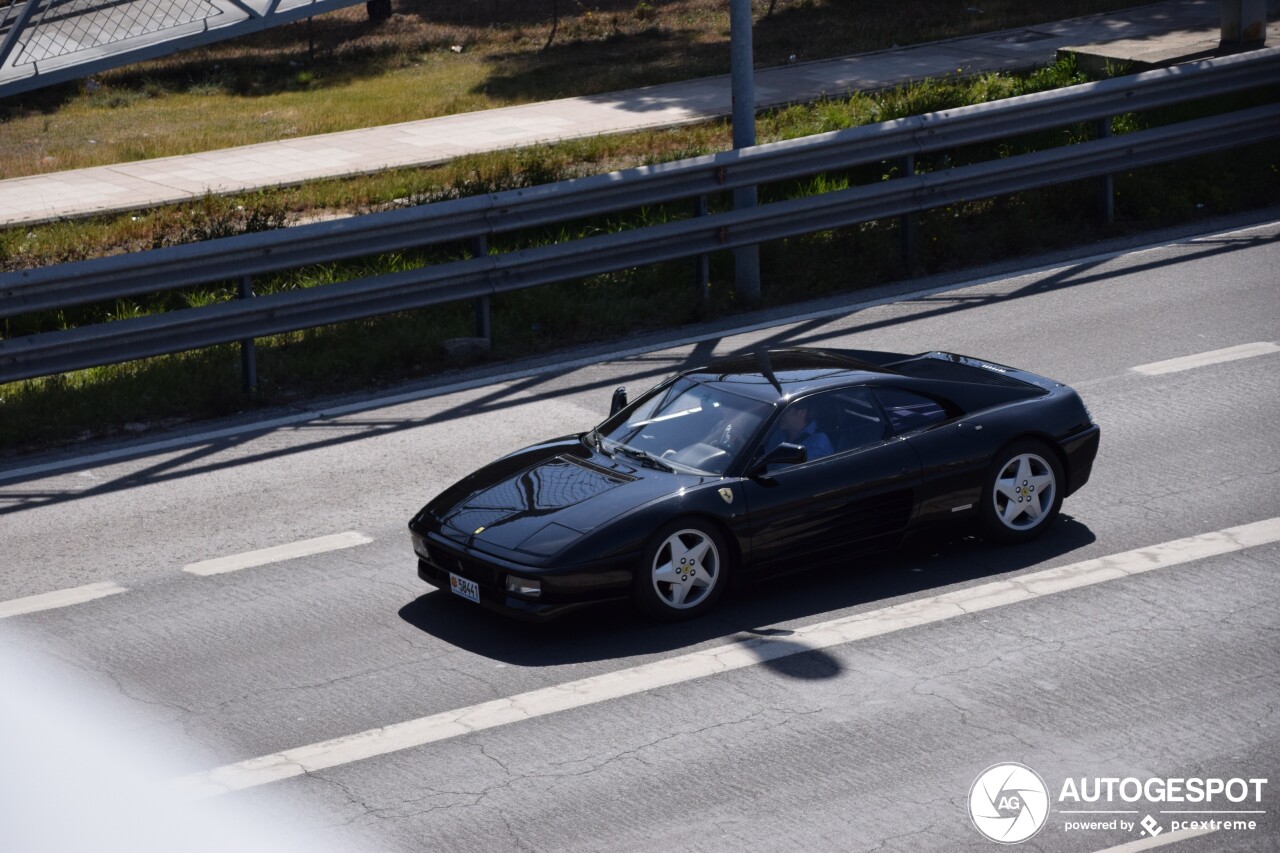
point(390, 349)
point(485, 173)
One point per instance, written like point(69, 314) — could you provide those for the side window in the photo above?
point(909, 411)
point(807, 422)
point(859, 421)
point(830, 422)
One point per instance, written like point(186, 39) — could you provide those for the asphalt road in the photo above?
point(782, 721)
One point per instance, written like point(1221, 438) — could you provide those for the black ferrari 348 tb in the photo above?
point(755, 466)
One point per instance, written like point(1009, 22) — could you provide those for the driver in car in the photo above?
point(796, 427)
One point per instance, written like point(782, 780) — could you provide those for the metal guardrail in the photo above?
point(479, 217)
point(488, 215)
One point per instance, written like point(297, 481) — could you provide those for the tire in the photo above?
point(683, 572)
point(1022, 493)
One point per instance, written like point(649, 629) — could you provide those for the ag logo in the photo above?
point(1008, 803)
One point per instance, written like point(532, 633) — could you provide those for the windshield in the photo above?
point(688, 424)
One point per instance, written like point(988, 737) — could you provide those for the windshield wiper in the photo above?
point(599, 442)
point(647, 459)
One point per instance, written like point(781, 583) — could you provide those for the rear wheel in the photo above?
point(683, 572)
point(1022, 493)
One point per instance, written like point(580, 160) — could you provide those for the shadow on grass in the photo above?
point(505, 13)
point(589, 68)
point(616, 632)
point(264, 72)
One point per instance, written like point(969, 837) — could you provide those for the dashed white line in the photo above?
point(235, 562)
point(735, 655)
point(59, 598)
point(1217, 356)
point(305, 548)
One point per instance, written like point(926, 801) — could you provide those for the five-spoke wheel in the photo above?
point(683, 570)
point(1023, 492)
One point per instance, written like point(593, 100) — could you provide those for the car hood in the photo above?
point(541, 500)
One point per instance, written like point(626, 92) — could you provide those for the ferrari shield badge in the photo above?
point(727, 494)
point(479, 530)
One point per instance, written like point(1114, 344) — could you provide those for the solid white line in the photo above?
point(1154, 841)
point(592, 359)
point(1218, 356)
point(278, 553)
point(737, 654)
point(60, 598)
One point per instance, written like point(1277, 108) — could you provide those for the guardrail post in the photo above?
point(248, 349)
point(704, 260)
point(907, 221)
point(1106, 184)
point(479, 247)
point(1244, 23)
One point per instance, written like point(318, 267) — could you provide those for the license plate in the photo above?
point(465, 588)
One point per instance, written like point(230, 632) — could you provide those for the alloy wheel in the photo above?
point(1024, 493)
point(686, 567)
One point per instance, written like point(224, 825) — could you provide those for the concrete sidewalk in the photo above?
point(146, 183)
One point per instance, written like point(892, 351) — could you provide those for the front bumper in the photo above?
point(563, 589)
point(1080, 450)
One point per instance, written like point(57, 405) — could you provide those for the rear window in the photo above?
point(955, 368)
point(909, 411)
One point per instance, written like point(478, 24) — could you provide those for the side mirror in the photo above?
point(619, 401)
point(783, 454)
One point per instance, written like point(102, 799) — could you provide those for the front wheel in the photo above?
point(683, 572)
point(1022, 493)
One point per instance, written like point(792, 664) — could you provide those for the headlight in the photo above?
point(420, 547)
point(524, 586)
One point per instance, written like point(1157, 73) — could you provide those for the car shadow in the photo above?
point(615, 631)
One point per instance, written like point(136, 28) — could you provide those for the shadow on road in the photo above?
point(614, 632)
point(205, 455)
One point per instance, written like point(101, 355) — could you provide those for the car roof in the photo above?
point(776, 375)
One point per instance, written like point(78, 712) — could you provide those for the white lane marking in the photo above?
point(59, 598)
point(739, 653)
point(1154, 841)
point(595, 358)
point(1218, 356)
point(293, 550)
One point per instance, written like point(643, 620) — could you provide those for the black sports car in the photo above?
point(755, 466)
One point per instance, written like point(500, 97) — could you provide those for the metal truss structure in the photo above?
point(43, 42)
